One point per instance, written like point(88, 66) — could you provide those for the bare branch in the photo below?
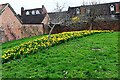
point(49, 26)
point(58, 18)
point(50, 32)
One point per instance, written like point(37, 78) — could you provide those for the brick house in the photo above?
point(35, 17)
point(10, 23)
point(31, 22)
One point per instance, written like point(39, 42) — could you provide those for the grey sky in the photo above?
point(49, 4)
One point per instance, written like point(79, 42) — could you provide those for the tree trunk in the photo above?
point(91, 25)
point(50, 32)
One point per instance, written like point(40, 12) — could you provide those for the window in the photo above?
point(27, 13)
point(112, 8)
point(33, 12)
point(37, 12)
point(77, 11)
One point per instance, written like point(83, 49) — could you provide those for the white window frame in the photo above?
point(112, 8)
point(27, 13)
point(77, 11)
point(33, 12)
point(37, 12)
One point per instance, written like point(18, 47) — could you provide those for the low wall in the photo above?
point(105, 25)
point(9, 34)
point(29, 30)
point(102, 25)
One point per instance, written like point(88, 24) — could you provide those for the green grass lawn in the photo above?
point(94, 56)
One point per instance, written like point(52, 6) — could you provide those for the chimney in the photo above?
point(44, 11)
point(117, 8)
point(22, 10)
point(42, 6)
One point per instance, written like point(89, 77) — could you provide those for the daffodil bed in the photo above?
point(41, 43)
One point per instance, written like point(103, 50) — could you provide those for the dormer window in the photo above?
point(37, 12)
point(27, 13)
point(33, 12)
point(112, 8)
point(77, 11)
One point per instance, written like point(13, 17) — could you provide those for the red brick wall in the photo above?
point(112, 25)
point(45, 21)
point(11, 25)
point(0, 21)
point(29, 30)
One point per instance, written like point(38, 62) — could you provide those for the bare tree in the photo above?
point(58, 18)
point(93, 14)
point(59, 8)
point(91, 18)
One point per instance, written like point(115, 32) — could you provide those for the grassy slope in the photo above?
point(72, 59)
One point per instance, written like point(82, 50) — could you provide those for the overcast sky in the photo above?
point(49, 4)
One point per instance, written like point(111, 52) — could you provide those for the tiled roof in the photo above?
point(31, 18)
